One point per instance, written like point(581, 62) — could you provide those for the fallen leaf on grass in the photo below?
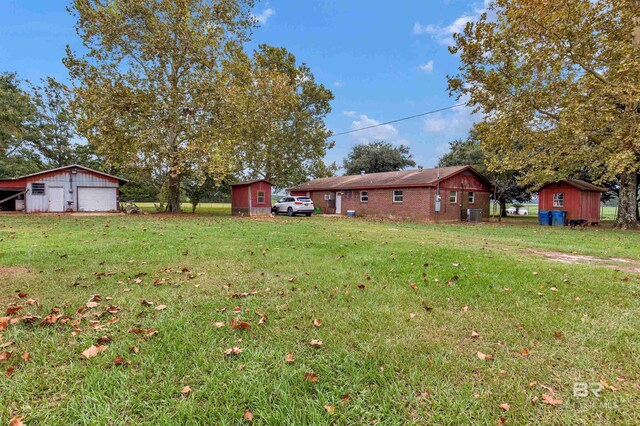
point(161, 307)
point(558, 335)
point(95, 298)
point(414, 286)
point(7, 344)
point(549, 400)
point(315, 342)
point(91, 304)
point(185, 390)
point(13, 309)
point(119, 360)
point(311, 377)
point(330, 409)
point(26, 357)
point(146, 302)
point(317, 322)
point(484, 357)
point(93, 351)
point(239, 325)
point(346, 399)
point(4, 356)
point(534, 400)
point(289, 358)
point(233, 351)
point(465, 308)
point(263, 319)
point(524, 352)
point(219, 324)
point(475, 335)
point(16, 421)
point(608, 386)
point(248, 415)
point(4, 323)
point(22, 295)
point(146, 331)
point(504, 406)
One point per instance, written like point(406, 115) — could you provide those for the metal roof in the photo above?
point(583, 185)
point(403, 178)
point(249, 182)
point(77, 166)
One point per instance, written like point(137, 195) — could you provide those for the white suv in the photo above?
point(294, 205)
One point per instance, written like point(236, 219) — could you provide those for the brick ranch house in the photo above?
point(409, 194)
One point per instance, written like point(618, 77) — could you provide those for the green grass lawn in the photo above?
point(215, 209)
point(400, 305)
point(607, 213)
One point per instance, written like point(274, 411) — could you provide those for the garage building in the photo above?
point(73, 188)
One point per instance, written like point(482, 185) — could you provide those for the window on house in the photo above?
point(453, 196)
point(364, 196)
point(37, 188)
point(558, 200)
point(260, 197)
point(328, 196)
point(398, 196)
point(472, 197)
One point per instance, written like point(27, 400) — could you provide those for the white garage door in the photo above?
point(93, 199)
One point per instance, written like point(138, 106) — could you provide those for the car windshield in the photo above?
point(304, 199)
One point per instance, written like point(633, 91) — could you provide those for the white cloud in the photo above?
point(444, 33)
point(428, 67)
point(386, 132)
point(338, 83)
point(264, 16)
point(453, 123)
point(349, 113)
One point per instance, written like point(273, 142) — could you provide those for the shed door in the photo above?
point(56, 199)
point(95, 199)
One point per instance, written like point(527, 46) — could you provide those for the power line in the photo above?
point(398, 120)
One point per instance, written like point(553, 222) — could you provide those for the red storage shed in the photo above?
point(251, 198)
point(580, 199)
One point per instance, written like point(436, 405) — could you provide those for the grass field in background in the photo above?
point(216, 209)
point(607, 213)
point(403, 311)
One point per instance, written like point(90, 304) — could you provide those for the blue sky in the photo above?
point(382, 59)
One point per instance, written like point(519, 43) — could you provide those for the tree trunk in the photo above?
point(173, 202)
point(503, 208)
point(628, 205)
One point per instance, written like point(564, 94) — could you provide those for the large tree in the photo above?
point(17, 112)
point(284, 136)
point(376, 157)
point(151, 88)
point(559, 85)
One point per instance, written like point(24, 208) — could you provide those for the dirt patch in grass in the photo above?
point(628, 265)
point(12, 271)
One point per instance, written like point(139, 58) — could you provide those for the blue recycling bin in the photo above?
point(544, 217)
point(558, 217)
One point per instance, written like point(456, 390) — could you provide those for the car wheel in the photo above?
point(307, 214)
point(290, 211)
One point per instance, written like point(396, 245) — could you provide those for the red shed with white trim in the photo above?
point(251, 198)
point(580, 199)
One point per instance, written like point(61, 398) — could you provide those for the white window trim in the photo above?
point(471, 197)
point(361, 196)
point(393, 196)
point(455, 200)
point(560, 202)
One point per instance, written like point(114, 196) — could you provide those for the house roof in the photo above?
point(71, 166)
point(582, 185)
point(403, 178)
point(249, 182)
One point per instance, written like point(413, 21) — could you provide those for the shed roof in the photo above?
point(71, 166)
point(403, 178)
point(581, 185)
point(249, 182)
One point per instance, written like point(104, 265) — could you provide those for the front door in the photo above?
point(56, 199)
point(338, 203)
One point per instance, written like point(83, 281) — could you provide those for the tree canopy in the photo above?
point(558, 84)
point(376, 157)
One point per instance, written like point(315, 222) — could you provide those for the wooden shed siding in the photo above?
point(244, 199)
point(578, 204)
